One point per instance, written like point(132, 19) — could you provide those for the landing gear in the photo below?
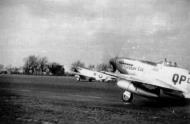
point(90, 80)
point(78, 78)
point(127, 97)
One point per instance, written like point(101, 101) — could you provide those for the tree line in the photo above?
point(41, 66)
point(36, 65)
point(98, 67)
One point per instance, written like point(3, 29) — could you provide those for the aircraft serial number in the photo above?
point(134, 68)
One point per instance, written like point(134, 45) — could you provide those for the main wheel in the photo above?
point(78, 79)
point(127, 97)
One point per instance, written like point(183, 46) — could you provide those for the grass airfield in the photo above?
point(62, 100)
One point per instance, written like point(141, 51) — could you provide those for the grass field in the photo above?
point(59, 100)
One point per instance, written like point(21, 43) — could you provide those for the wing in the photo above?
point(143, 80)
point(76, 73)
point(83, 76)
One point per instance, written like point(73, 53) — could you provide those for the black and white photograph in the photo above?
point(94, 61)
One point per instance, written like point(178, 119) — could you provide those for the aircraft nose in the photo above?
point(112, 61)
point(113, 64)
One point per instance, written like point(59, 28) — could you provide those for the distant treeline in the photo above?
point(99, 67)
point(36, 65)
point(40, 66)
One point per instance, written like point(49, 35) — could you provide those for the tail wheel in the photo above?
point(127, 96)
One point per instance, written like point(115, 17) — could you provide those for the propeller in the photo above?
point(113, 65)
point(112, 50)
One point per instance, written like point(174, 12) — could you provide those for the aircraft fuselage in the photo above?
point(164, 72)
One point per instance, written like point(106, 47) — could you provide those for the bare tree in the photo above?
point(77, 64)
point(42, 64)
point(31, 64)
point(1, 67)
point(91, 67)
point(56, 69)
point(103, 67)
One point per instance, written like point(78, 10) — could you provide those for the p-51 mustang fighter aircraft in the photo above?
point(150, 79)
point(82, 73)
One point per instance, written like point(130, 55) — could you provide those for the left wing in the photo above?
point(143, 80)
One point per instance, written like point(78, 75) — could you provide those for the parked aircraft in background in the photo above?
point(150, 79)
point(86, 74)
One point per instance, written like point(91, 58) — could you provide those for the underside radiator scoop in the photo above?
point(126, 85)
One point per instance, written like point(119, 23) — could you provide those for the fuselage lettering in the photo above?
point(180, 79)
point(175, 78)
point(188, 81)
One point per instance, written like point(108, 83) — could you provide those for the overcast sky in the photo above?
point(94, 30)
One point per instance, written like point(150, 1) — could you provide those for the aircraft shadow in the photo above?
point(156, 103)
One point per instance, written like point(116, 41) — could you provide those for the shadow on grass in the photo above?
point(153, 103)
point(9, 111)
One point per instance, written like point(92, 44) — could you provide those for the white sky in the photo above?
point(94, 30)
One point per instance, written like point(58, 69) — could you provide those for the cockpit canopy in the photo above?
point(165, 63)
point(168, 63)
point(149, 62)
